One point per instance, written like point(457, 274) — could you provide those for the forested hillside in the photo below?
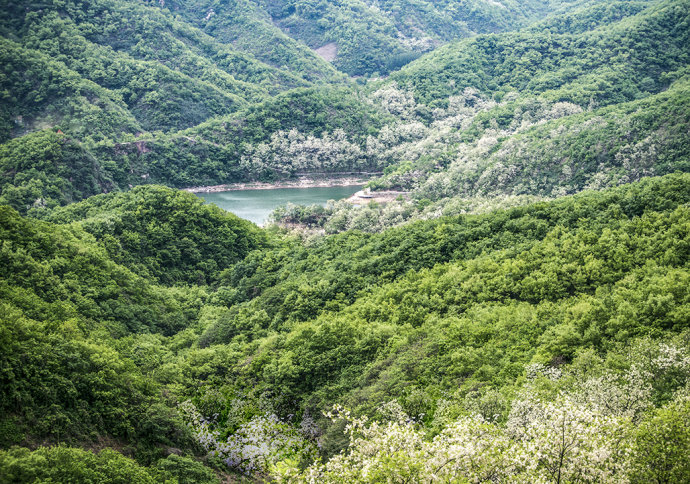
point(359, 37)
point(497, 120)
point(516, 309)
point(153, 97)
point(608, 62)
point(440, 318)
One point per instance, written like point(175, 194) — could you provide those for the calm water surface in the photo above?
point(256, 205)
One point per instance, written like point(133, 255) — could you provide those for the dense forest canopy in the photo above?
point(515, 310)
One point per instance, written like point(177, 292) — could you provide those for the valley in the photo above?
point(366, 241)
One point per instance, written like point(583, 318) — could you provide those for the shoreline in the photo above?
point(303, 182)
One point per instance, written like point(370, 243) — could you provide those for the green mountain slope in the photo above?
point(41, 93)
point(605, 147)
point(245, 26)
point(157, 73)
point(608, 64)
point(478, 154)
point(164, 234)
point(168, 74)
point(61, 383)
point(63, 273)
point(147, 34)
point(299, 283)
point(362, 38)
point(428, 314)
point(517, 311)
point(334, 121)
point(45, 169)
point(71, 371)
point(541, 284)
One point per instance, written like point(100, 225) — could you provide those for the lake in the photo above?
point(256, 205)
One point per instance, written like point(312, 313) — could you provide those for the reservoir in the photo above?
point(256, 205)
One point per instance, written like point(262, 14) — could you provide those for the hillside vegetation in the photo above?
point(442, 318)
point(368, 37)
point(165, 234)
point(175, 103)
point(517, 311)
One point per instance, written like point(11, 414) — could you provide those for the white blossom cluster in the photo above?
point(200, 426)
point(484, 173)
point(454, 153)
point(265, 439)
point(290, 152)
point(393, 100)
point(551, 439)
point(421, 44)
point(536, 370)
point(584, 434)
point(611, 394)
point(655, 369)
point(491, 164)
point(257, 444)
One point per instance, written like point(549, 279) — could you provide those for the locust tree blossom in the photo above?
point(256, 445)
point(552, 442)
point(395, 101)
point(563, 427)
point(563, 441)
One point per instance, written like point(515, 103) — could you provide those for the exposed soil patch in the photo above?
point(328, 52)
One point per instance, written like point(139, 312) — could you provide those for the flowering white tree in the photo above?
point(627, 395)
point(289, 152)
point(256, 445)
point(395, 101)
point(562, 441)
point(554, 442)
point(471, 449)
point(584, 433)
point(394, 451)
point(262, 441)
